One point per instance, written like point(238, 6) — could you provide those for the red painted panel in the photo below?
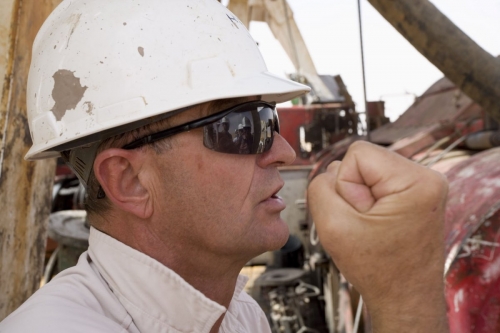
point(290, 121)
point(472, 229)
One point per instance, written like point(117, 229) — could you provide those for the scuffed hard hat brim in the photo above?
point(269, 87)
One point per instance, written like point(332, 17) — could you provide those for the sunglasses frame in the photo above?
point(151, 138)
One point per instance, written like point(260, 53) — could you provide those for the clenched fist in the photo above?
point(380, 217)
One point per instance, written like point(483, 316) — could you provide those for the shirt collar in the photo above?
point(156, 297)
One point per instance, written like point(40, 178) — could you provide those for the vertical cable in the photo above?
point(358, 315)
point(367, 117)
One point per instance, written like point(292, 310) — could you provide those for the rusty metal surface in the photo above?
point(6, 17)
point(25, 187)
point(472, 229)
point(440, 106)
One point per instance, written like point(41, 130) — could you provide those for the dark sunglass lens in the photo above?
point(233, 134)
point(266, 115)
point(245, 131)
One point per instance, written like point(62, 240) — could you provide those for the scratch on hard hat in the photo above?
point(75, 18)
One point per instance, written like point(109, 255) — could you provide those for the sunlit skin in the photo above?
point(380, 217)
point(201, 213)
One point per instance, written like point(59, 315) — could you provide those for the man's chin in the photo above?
point(279, 237)
point(270, 238)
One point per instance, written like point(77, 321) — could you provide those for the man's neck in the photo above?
point(215, 280)
point(211, 274)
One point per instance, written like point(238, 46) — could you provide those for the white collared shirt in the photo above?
point(115, 288)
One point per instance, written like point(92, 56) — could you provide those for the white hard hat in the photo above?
point(100, 68)
point(245, 122)
point(98, 65)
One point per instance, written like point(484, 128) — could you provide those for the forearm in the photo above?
point(419, 308)
point(411, 322)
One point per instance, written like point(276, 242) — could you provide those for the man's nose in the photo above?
point(280, 154)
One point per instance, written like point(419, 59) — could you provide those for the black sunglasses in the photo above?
point(246, 128)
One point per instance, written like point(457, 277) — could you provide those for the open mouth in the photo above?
point(275, 194)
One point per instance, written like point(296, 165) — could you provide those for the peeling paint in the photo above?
point(25, 187)
point(467, 172)
point(472, 224)
point(141, 51)
point(492, 272)
point(8, 37)
point(459, 298)
point(89, 107)
point(485, 191)
point(67, 92)
point(462, 198)
point(491, 182)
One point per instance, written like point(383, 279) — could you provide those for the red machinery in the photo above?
point(444, 129)
point(473, 244)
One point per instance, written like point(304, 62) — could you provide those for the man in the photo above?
point(225, 139)
point(244, 140)
point(126, 91)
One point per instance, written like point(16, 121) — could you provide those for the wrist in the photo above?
point(410, 312)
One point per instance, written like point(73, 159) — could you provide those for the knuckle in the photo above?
point(359, 145)
point(436, 183)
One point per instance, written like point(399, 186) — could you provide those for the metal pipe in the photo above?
point(455, 54)
point(434, 147)
point(358, 314)
point(483, 140)
point(50, 266)
point(444, 152)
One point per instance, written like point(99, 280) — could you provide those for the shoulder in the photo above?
point(77, 300)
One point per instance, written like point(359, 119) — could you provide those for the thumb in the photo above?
point(352, 187)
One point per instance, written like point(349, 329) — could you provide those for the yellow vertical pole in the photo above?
point(25, 187)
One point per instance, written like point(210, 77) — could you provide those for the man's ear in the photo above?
point(118, 170)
